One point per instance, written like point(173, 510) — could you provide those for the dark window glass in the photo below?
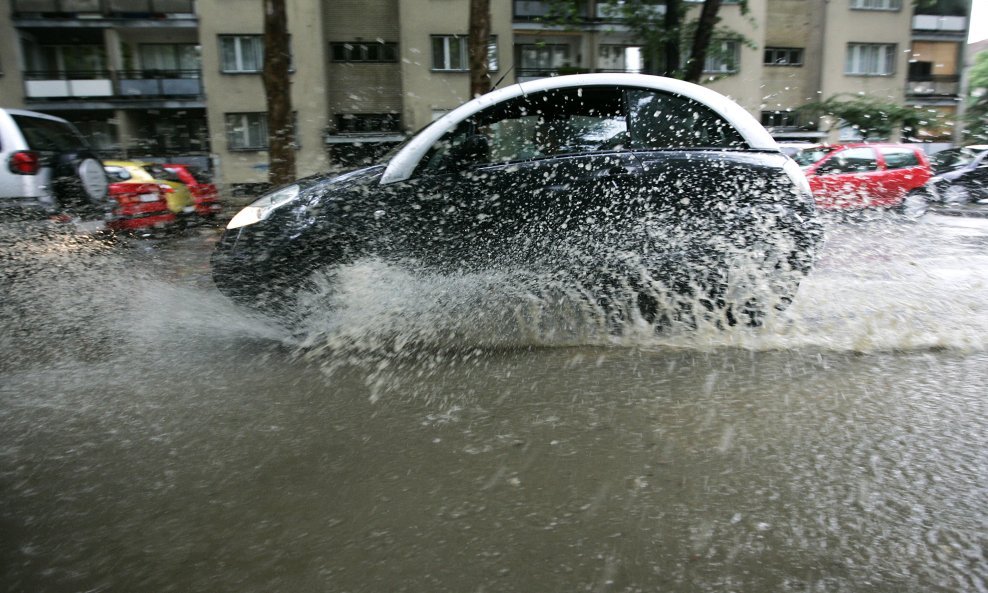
point(46, 134)
point(363, 52)
point(660, 120)
point(900, 158)
point(368, 122)
point(852, 160)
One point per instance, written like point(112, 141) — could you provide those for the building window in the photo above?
point(542, 59)
point(77, 61)
point(722, 57)
point(247, 131)
point(169, 56)
point(349, 123)
point(783, 56)
point(876, 4)
point(451, 53)
point(619, 58)
point(781, 119)
point(870, 59)
point(241, 53)
point(363, 52)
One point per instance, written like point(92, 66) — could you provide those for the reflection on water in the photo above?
point(153, 438)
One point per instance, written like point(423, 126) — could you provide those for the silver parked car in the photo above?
point(48, 169)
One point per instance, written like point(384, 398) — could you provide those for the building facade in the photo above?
point(181, 79)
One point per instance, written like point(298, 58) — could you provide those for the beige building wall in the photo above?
point(354, 87)
point(237, 93)
point(11, 81)
point(793, 24)
point(739, 86)
point(429, 92)
point(846, 26)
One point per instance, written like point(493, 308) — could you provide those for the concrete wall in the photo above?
point(233, 93)
point(427, 91)
point(11, 82)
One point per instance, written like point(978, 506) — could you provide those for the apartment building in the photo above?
point(936, 63)
point(182, 78)
point(127, 72)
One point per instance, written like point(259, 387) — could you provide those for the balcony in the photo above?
point(931, 23)
point(102, 8)
point(158, 83)
point(127, 84)
point(945, 85)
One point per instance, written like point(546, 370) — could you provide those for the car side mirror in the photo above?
point(474, 150)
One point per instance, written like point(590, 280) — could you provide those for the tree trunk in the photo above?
point(277, 90)
point(478, 42)
point(672, 22)
point(701, 41)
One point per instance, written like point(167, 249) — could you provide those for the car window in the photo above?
point(952, 158)
point(159, 172)
point(48, 135)
point(117, 173)
point(808, 156)
point(899, 158)
point(852, 160)
point(550, 123)
point(658, 120)
point(199, 175)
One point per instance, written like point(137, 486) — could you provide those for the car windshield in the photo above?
point(159, 172)
point(50, 135)
point(577, 120)
point(808, 156)
point(953, 158)
point(199, 175)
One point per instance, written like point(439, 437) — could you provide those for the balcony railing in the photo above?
point(125, 84)
point(114, 8)
point(933, 85)
point(943, 24)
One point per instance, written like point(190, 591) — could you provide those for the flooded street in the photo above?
point(435, 434)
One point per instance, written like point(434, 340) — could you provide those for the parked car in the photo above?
point(47, 169)
point(141, 207)
point(960, 175)
point(178, 196)
point(205, 197)
point(608, 180)
point(861, 175)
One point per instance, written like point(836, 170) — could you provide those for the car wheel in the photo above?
point(79, 183)
point(956, 194)
point(914, 204)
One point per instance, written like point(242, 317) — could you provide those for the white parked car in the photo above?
point(48, 169)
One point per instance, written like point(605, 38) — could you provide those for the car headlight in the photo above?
point(263, 207)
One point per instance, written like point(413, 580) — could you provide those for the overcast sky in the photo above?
point(979, 21)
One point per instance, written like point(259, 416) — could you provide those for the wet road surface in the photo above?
point(422, 437)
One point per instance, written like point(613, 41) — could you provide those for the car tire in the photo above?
point(956, 194)
point(79, 183)
point(914, 204)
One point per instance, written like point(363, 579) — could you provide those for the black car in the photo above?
point(960, 175)
point(640, 190)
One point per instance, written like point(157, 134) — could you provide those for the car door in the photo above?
point(976, 179)
point(518, 180)
point(688, 156)
point(848, 178)
point(905, 170)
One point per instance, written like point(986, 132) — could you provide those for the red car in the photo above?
point(204, 194)
point(140, 207)
point(844, 176)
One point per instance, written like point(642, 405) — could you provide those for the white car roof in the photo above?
point(404, 162)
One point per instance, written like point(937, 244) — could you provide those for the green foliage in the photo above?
point(872, 118)
point(665, 40)
point(978, 75)
point(976, 109)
